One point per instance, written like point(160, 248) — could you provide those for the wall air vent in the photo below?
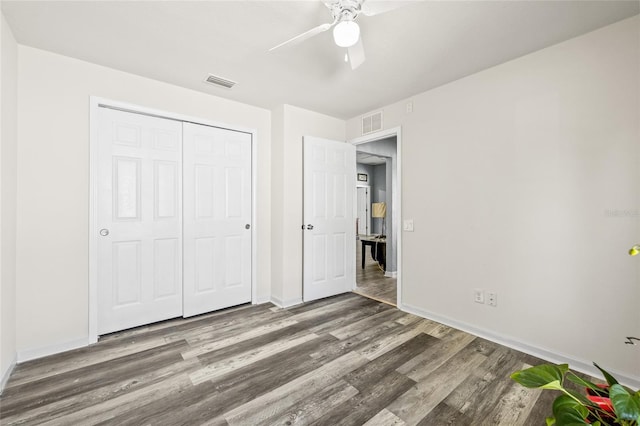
point(219, 81)
point(372, 123)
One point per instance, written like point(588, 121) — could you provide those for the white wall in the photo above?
point(8, 146)
point(367, 170)
point(53, 185)
point(524, 179)
point(293, 124)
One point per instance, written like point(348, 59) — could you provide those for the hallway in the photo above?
point(371, 282)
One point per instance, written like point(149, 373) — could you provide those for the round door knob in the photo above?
point(247, 226)
point(104, 232)
point(309, 227)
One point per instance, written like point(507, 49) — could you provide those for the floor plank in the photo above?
point(309, 410)
point(371, 281)
point(433, 388)
point(296, 390)
point(343, 360)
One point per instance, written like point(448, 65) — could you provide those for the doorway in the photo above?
point(378, 250)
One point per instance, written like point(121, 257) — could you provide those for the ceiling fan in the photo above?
point(346, 31)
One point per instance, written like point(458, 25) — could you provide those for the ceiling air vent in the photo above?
point(219, 81)
point(372, 123)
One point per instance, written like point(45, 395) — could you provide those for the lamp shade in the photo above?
point(346, 33)
point(378, 209)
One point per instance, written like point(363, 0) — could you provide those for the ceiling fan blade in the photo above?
point(376, 7)
point(308, 34)
point(356, 54)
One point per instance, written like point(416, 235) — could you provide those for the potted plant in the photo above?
point(610, 404)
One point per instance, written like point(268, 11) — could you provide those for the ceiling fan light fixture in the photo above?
point(346, 33)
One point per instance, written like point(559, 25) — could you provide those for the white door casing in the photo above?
point(217, 218)
point(96, 248)
point(139, 220)
point(363, 205)
point(329, 219)
point(396, 197)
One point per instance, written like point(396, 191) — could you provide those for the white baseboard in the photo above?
point(285, 303)
point(7, 373)
point(276, 301)
point(261, 300)
point(34, 353)
point(391, 274)
point(580, 365)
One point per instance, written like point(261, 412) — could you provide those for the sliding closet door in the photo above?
point(139, 220)
point(217, 218)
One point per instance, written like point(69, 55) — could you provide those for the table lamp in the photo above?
point(379, 210)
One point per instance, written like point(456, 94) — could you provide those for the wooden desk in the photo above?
point(378, 249)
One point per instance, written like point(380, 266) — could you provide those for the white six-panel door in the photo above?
point(139, 220)
point(217, 218)
point(329, 236)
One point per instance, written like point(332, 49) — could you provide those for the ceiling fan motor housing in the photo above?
point(345, 10)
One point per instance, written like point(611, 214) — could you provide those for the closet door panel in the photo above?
point(139, 220)
point(217, 218)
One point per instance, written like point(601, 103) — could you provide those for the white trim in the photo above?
point(94, 104)
point(93, 219)
point(138, 109)
point(254, 217)
point(34, 353)
point(368, 188)
point(382, 134)
point(7, 373)
point(580, 365)
point(286, 303)
point(398, 131)
point(391, 274)
point(397, 204)
point(262, 300)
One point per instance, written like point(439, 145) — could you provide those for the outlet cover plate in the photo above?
point(478, 295)
point(492, 299)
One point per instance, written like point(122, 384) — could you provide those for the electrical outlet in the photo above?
point(492, 299)
point(407, 225)
point(409, 107)
point(478, 295)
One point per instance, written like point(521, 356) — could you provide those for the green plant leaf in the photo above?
point(551, 421)
point(608, 377)
point(582, 382)
point(580, 397)
point(569, 412)
point(627, 406)
point(541, 376)
point(555, 385)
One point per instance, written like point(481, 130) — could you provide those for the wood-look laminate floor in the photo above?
point(345, 360)
point(371, 282)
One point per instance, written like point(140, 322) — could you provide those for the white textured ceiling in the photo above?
point(409, 50)
point(369, 159)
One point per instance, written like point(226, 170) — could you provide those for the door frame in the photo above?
point(397, 203)
point(368, 224)
point(95, 103)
